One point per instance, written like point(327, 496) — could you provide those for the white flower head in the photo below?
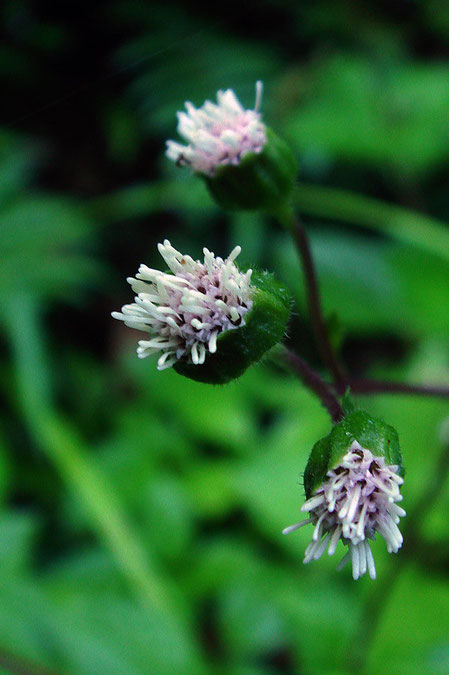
point(218, 134)
point(357, 499)
point(186, 311)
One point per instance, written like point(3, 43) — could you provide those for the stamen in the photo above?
point(354, 502)
point(370, 561)
point(334, 540)
point(355, 561)
point(296, 526)
point(213, 343)
point(312, 503)
point(321, 548)
point(259, 92)
point(317, 531)
point(362, 558)
point(343, 561)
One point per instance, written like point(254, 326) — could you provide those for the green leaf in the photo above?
point(404, 225)
point(374, 110)
point(402, 640)
point(46, 246)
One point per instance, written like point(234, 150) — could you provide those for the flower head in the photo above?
point(357, 499)
point(244, 164)
point(218, 134)
point(186, 310)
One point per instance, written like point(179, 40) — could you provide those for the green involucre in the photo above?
point(239, 348)
point(370, 432)
point(261, 181)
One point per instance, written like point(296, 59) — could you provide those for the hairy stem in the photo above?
point(368, 386)
point(315, 383)
point(325, 348)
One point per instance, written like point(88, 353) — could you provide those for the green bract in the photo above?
point(261, 181)
point(370, 432)
point(239, 348)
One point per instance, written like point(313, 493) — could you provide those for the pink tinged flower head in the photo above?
point(357, 499)
point(186, 310)
point(218, 134)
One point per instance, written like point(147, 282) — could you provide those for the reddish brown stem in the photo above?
point(341, 381)
point(325, 348)
point(315, 383)
point(368, 386)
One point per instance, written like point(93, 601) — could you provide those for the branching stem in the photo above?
point(340, 380)
point(315, 383)
point(368, 386)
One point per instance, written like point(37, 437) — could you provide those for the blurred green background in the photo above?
point(141, 513)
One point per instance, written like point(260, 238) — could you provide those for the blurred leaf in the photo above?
point(404, 225)
point(249, 625)
point(18, 159)
point(81, 632)
point(166, 509)
point(415, 648)
point(374, 285)
point(17, 534)
point(211, 487)
point(391, 114)
point(167, 195)
point(270, 483)
point(44, 246)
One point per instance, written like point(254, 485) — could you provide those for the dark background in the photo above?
point(140, 512)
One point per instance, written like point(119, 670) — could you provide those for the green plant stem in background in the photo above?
point(313, 381)
point(64, 449)
point(378, 600)
point(402, 224)
point(328, 356)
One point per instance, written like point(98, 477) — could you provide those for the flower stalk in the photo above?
point(315, 383)
point(326, 350)
point(369, 386)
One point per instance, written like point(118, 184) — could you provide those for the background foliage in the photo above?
point(141, 513)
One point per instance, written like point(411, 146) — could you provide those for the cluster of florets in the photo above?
point(218, 134)
point(186, 310)
point(357, 500)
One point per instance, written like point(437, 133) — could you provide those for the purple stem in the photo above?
point(368, 386)
point(316, 384)
point(326, 350)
